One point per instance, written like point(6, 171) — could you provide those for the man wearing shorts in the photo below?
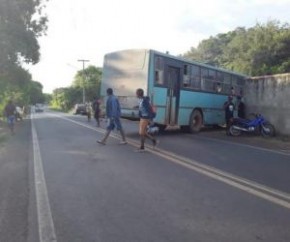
point(113, 113)
point(146, 116)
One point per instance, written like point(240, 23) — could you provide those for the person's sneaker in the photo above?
point(139, 150)
point(123, 142)
point(101, 142)
point(155, 143)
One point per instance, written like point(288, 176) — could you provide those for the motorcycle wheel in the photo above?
point(235, 132)
point(268, 130)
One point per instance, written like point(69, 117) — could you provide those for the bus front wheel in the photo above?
point(195, 122)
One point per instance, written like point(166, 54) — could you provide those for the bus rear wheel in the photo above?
point(195, 122)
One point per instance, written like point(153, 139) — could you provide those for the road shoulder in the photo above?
point(277, 143)
point(14, 182)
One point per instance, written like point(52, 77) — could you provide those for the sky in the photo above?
point(88, 29)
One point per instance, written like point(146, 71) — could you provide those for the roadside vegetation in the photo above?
point(260, 50)
point(21, 23)
point(87, 80)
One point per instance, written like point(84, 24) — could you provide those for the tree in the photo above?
point(262, 49)
point(21, 23)
point(19, 29)
point(90, 79)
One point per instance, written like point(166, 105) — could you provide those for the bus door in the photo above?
point(173, 92)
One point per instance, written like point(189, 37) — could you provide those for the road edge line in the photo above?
point(46, 228)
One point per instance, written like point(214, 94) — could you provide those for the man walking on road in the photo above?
point(113, 113)
point(10, 110)
point(146, 115)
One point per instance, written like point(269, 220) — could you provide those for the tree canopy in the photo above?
point(21, 23)
point(262, 49)
point(89, 79)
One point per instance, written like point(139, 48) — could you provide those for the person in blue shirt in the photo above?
point(146, 115)
point(10, 111)
point(113, 114)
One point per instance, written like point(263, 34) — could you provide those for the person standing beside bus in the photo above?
point(113, 113)
point(146, 115)
point(229, 113)
point(241, 107)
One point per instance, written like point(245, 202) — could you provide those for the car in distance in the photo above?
point(80, 109)
point(39, 107)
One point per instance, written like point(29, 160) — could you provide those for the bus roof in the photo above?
point(197, 63)
point(194, 62)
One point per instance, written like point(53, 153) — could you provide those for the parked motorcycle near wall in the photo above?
point(257, 125)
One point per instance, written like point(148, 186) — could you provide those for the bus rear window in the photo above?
point(126, 60)
point(159, 70)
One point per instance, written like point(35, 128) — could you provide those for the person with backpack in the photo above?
point(10, 111)
point(146, 114)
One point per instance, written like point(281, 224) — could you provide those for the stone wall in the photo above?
point(270, 96)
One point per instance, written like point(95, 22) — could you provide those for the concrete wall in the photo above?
point(270, 96)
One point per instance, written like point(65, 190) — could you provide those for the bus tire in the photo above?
point(195, 122)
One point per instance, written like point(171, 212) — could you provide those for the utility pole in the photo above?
point(84, 94)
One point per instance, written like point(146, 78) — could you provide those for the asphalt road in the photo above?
point(58, 184)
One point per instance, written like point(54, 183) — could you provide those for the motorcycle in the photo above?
point(258, 125)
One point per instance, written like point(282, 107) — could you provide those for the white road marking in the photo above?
point(45, 222)
point(259, 190)
point(267, 193)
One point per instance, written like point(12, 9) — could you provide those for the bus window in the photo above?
point(217, 87)
point(159, 70)
point(233, 91)
point(186, 78)
point(212, 79)
point(159, 77)
point(207, 77)
point(234, 80)
point(227, 78)
point(195, 77)
point(227, 89)
point(219, 81)
point(227, 85)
